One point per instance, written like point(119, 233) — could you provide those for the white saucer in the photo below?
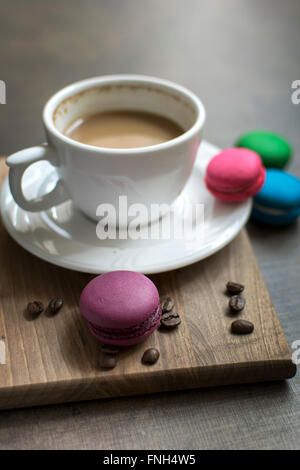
point(65, 237)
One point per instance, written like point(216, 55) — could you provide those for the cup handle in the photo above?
point(18, 163)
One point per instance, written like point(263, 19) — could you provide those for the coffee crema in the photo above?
point(123, 129)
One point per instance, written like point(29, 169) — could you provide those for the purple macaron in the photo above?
point(121, 307)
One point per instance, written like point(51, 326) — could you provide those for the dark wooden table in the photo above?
point(240, 57)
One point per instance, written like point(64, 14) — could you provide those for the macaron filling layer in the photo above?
point(134, 331)
point(269, 210)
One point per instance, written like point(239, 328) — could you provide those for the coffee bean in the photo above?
point(54, 306)
point(150, 356)
point(170, 320)
point(234, 287)
point(35, 308)
point(237, 303)
point(242, 327)
point(108, 361)
point(167, 305)
point(109, 349)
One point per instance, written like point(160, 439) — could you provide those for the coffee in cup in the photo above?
point(123, 129)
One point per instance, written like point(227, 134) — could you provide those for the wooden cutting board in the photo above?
point(52, 360)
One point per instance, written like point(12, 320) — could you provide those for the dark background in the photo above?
point(240, 57)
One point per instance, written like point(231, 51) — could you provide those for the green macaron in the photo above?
point(274, 150)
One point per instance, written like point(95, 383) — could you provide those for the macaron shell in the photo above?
point(235, 175)
point(233, 170)
point(280, 191)
point(274, 150)
point(119, 299)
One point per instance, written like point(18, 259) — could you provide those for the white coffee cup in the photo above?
point(94, 175)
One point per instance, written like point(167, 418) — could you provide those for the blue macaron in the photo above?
point(278, 202)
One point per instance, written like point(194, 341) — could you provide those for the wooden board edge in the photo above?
point(159, 381)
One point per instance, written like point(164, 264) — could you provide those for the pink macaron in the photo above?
point(121, 307)
point(235, 174)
